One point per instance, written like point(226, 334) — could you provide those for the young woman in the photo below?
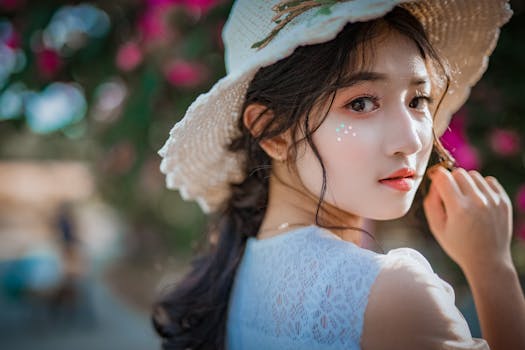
point(328, 116)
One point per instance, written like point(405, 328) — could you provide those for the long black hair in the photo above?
point(193, 314)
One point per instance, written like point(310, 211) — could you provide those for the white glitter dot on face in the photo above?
point(349, 127)
point(353, 134)
point(346, 132)
point(339, 139)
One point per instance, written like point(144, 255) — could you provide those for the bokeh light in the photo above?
point(56, 107)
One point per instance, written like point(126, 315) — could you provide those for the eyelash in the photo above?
point(374, 99)
point(419, 95)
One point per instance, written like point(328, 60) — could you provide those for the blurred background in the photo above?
point(88, 93)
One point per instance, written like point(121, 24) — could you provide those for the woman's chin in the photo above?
point(382, 212)
point(378, 212)
point(391, 213)
point(389, 216)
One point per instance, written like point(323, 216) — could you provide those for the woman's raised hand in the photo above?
point(470, 216)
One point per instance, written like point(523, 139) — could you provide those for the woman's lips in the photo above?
point(404, 184)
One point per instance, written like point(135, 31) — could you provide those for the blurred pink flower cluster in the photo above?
point(13, 39)
point(184, 73)
point(48, 62)
point(505, 142)
point(455, 140)
point(129, 56)
point(155, 33)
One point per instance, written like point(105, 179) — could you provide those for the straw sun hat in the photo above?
point(258, 33)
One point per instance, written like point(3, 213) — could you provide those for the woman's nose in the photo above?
point(403, 134)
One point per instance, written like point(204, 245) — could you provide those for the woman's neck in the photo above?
point(291, 206)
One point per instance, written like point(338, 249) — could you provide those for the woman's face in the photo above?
point(377, 125)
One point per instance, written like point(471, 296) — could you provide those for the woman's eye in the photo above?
point(420, 102)
point(363, 104)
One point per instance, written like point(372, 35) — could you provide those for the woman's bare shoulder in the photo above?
point(409, 307)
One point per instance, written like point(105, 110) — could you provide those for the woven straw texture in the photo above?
point(195, 158)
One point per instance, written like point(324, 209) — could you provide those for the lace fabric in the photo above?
point(303, 288)
point(308, 289)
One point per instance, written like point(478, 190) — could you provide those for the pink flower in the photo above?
point(129, 56)
point(520, 198)
point(13, 40)
point(455, 141)
point(185, 74)
point(455, 137)
point(467, 157)
point(505, 142)
point(152, 25)
point(459, 120)
point(48, 62)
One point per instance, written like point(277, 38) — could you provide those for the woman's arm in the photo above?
point(500, 305)
point(471, 218)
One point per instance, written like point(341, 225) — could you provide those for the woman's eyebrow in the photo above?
point(375, 76)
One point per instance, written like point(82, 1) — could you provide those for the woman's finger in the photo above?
point(434, 210)
point(496, 186)
point(445, 186)
point(484, 187)
point(468, 186)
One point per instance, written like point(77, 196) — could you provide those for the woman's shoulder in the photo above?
point(417, 305)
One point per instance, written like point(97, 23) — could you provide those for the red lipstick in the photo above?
point(401, 180)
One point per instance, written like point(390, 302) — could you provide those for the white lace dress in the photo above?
point(308, 289)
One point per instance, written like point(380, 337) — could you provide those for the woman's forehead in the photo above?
point(389, 56)
point(418, 77)
point(389, 52)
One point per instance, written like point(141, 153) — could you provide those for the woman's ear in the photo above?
point(256, 116)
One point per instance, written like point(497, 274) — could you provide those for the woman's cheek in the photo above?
point(427, 134)
point(344, 131)
point(337, 131)
point(427, 141)
point(344, 146)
